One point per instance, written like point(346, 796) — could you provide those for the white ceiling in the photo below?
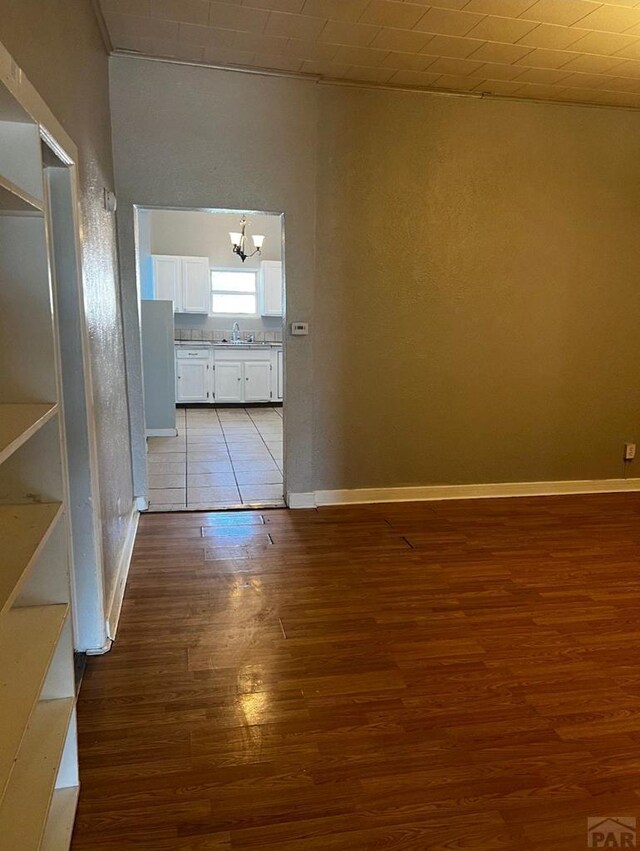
point(568, 50)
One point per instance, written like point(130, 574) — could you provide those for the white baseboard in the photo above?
point(100, 651)
point(124, 562)
point(141, 503)
point(161, 432)
point(301, 500)
point(435, 492)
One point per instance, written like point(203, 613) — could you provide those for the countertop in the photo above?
point(212, 344)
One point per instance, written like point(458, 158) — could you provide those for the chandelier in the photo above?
point(239, 241)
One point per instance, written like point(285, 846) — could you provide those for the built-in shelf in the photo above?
point(24, 530)
point(25, 806)
point(18, 422)
point(28, 639)
point(62, 814)
point(16, 200)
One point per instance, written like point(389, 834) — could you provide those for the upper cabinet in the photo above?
point(182, 280)
point(271, 296)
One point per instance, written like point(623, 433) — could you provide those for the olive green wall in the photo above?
point(478, 314)
point(472, 265)
point(58, 46)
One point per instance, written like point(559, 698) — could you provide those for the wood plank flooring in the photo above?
point(453, 675)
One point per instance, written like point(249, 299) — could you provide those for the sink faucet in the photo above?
point(235, 333)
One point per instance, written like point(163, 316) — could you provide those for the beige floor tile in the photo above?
point(251, 493)
point(167, 480)
point(213, 494)
point(215, 450)
point(166, 444)
point(269, 464)
point(259, 477)
point(254, 455)
point(203, 455)
point(205, 465)
point(167, 496)
point(167, 468)
point(166, 457)
point(209, 480)
point(213, 506)
point(245, 445)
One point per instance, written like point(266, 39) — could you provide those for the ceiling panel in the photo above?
point(568, 50)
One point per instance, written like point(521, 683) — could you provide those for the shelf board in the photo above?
point(28, 639)
point(16, 200)
point(24, 530)
point(62, 815)
point(25, 806)
point(19, 422)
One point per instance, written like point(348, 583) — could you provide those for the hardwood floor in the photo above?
point(453, 675)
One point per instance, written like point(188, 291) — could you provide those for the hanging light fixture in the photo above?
point(239, 241)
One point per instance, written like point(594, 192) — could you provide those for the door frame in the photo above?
point(138, 437)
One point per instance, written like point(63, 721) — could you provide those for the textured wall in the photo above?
point(187, 137)
point(58, 46)
point(474, 273)
point(491, 294)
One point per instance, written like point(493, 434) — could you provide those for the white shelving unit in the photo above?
point(38, 743)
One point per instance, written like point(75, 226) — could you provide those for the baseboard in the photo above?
point(435, 492)
point(117, 594)
point(161, 432)
point(301, 500)
point(100, 651)
point(141, 503)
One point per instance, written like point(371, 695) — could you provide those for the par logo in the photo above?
point(610, 832)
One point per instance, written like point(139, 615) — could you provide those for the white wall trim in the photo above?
point(141, 503)
point(301, 500)
point(161, 432)
point(484, 491)
point(117, 595)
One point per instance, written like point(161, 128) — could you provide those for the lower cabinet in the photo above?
point(228, 376)
point(228, 383)
point(193, 378)
point(257, 381)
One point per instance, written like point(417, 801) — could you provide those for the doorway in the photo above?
point(213, 357)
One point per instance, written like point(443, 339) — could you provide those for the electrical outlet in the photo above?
point(629, 451)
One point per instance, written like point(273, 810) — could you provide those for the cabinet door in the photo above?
point(257, 381)
point(192, 381)
point(271, 288)
point(228, 381)
point(195, 284)
point(279, 375)
point(166, 280)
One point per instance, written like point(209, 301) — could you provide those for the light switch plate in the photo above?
point(299, 329)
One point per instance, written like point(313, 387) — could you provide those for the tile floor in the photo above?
point(221, 458)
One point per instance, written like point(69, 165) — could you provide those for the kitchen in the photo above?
point(212, 305)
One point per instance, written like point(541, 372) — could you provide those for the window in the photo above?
point(234, 291)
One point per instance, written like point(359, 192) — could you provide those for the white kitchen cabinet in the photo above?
point(228, 381)
point(196, 289)
point(271, 295)
point(166, 279)
point(183, 280)
point(228, 375)
point(192, 381)
point(257, 381)
point(193, 375)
